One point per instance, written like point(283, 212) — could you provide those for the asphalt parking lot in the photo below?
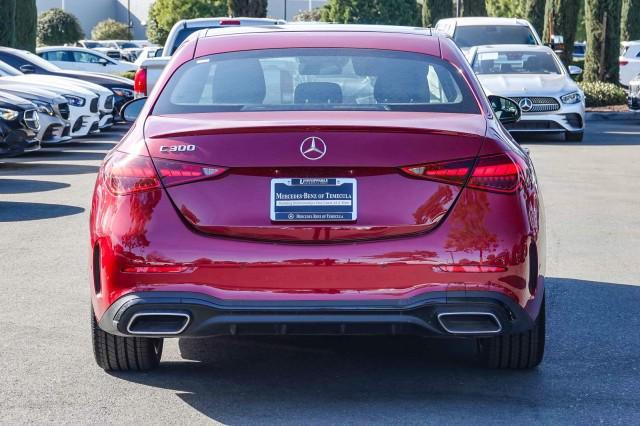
point(591, 372)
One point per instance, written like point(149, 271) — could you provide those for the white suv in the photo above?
point(471, 32)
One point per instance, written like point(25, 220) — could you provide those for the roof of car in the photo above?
point(512, 48)
point(317, 27)
point(206, 22)
point(483, 20)
point(71, 48)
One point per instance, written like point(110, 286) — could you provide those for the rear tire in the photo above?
point(518, 351)
point(117, 353)
point(573, 136)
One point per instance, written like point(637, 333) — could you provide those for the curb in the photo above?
point(612, 116)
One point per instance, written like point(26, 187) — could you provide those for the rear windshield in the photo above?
point(316, 80)
point(479, 35)
point(515, 63)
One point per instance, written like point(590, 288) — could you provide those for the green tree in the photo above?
point(474, 8)
point(534, 11)
point(506, 8)
point(27, 21)
point(110, 29)
point(434, 10)
point(398, 12)
point(163, 14)
point(561, 18)
point(55, 26)
point(313, 15)
point(630, 27)
point(8, 20)
point(252, 8)
point(602, 18)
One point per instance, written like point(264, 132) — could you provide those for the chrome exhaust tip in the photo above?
point(158, 323)
point(469, 323)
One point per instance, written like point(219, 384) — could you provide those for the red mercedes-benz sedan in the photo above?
point(339, 180)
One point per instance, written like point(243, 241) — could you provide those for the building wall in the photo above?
point(90, 12)
point(275, 8)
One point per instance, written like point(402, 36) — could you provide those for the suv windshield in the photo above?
point(515, 63)
point(479, 35)
point(316, 79)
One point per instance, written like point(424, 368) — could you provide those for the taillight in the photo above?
point(229, 22)
point(623, 62)
point(455, 172)
point(126, 174)
point(140, 83)
point(498, 173)
point(178, 172)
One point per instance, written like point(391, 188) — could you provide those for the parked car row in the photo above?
point(510, 60)
point(127, 50)
point(43, 104)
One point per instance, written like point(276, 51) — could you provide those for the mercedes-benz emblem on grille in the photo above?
point(525, 104)
point(313, 148)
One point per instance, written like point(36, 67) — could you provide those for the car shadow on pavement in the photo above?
point(44, 169)
point(591, 372)
point(13, 211)
point(24, 186)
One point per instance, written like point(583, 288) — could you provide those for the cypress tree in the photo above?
point(434, 10)
point(630, 27)
point(27, 24)
point(561, 18)
point(534, 12)
point(252, 8)
point(603, 41)
point(396, 12)
point(474, 8)
point(7, 22)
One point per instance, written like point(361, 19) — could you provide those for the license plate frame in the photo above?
point(314, 200)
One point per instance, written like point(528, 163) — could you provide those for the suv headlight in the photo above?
point(571, 98)
point(8, 114)
point(122, 92)
point(43, 107)
point(75, 100)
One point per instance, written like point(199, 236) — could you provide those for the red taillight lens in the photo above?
point(229, 22)
point(140, 83)
point(623, 62)
point(125, 174)
point(178, 172)
point(455, 172)
point(498, 173)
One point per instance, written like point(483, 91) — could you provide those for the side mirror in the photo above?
point(103, 62)
point(505, 109)
point(27, 69)
point(574, 70)
point(131, 110)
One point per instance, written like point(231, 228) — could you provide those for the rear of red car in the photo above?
point(318, 182)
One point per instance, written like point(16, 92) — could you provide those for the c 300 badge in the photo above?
point(177, 148)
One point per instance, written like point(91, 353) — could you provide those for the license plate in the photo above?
point(314, 200)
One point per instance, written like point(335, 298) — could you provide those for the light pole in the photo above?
point(285, 10)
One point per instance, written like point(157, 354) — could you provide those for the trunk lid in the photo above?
point(368, 147)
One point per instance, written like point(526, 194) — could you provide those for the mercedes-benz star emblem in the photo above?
point(313, 148)
point(525, 104)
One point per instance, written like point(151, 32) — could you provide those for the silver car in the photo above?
point(534, 77)
point(55, 127)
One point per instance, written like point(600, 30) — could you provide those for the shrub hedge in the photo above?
point(602, 94)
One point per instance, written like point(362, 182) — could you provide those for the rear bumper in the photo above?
point(197, 315)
